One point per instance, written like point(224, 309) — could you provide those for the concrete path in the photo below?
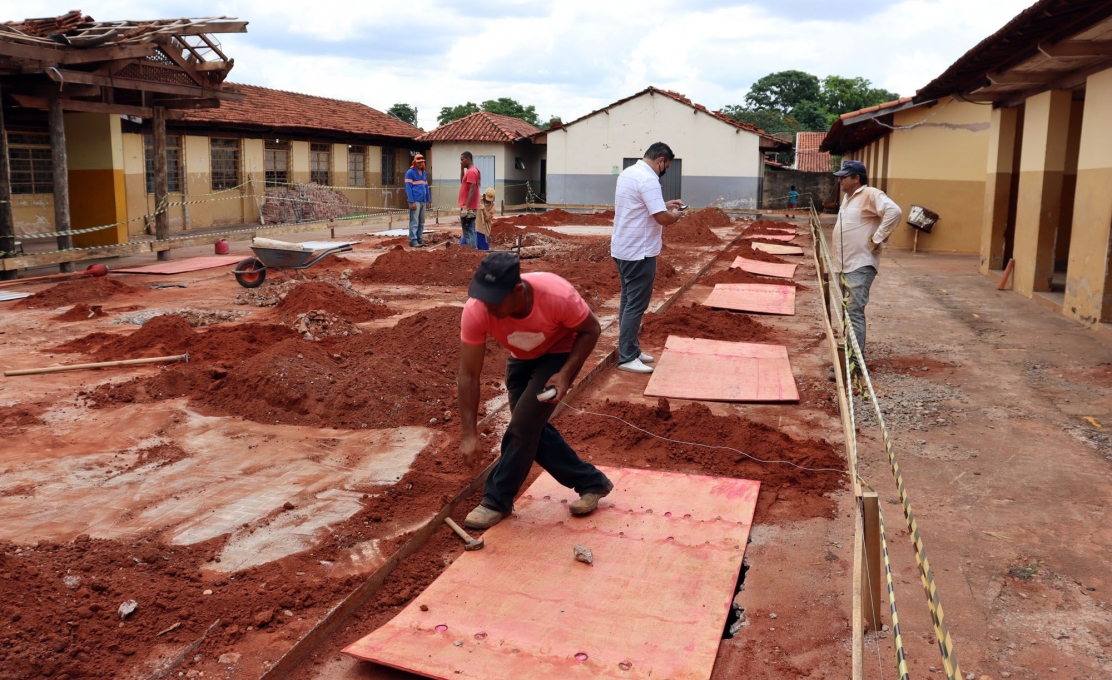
point(1004, 445)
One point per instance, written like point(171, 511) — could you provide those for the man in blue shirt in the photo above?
point(418, 193)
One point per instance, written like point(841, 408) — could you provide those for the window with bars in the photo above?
point(32, 168)
point(388, 178)
point(224, 163)
point(357, 166)
point(276, 163)
point(173, 163)
point(320, 164)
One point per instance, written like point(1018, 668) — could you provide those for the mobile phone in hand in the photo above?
point(683, 206)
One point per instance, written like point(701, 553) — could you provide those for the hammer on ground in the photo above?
point(471, 543)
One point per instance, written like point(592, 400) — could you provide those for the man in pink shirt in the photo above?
point(468, 198)
point(550, 332)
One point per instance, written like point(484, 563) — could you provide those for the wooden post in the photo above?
point(7, 220)
point(872, 574)
point(62, 220)
point(161, 183)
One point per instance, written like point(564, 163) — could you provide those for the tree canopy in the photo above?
point(503, 106)
point(404, 112)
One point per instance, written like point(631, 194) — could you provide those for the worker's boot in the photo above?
point(483, 517)
point(589, 501)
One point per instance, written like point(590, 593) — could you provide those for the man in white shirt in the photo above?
point(640, 213)
point(866, 219)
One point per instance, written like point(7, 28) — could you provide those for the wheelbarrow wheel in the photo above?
point(251, 273)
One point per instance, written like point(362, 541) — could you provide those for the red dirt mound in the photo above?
point(739, 276)
point(745, 249)
point(170, 334)
point(772, 227)
point(73, 292)
point(603, 440)
point(313, 295)
point(80, 312)
point(404, 375)
point(695, 228)
point(453, 266)
point(559, 217)
point(697, 321)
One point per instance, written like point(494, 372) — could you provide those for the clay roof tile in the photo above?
point(481, 127)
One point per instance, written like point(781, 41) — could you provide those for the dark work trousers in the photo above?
point(637, 277)
point(530, 437)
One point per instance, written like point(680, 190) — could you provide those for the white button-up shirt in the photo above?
point(637, 198)
point(866, 218)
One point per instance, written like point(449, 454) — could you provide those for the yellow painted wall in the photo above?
point(1042, 167)
point(1088, 289)
point(94, 150)
point(998, 186)
point(940, 165)
point(299, 160)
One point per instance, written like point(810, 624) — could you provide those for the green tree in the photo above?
point(811, 116)
point(842, 95)
point(505, 106)
point(404, 112)
point(783, 91)
point(450, 113)
point(551, 121)
point(768, 120)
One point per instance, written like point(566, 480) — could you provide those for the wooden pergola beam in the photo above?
point(50, 56)
point(81, 106)
point(67, 76)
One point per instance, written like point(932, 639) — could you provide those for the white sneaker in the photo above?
point(635, 366)
point(647, 358)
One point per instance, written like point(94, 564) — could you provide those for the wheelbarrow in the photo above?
point(251, 273)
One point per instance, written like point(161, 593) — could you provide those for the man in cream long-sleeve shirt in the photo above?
point(866, 219)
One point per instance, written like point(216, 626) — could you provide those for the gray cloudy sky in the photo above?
point(571, 56)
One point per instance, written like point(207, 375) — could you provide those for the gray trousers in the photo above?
point(638, 277)
point(858, 283)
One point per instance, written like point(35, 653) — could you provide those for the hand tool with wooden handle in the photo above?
point(471, 543)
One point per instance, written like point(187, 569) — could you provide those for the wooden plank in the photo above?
point(776, 269)
point(67, 76)
point(653, 603)
point(112, 53)
point(760, 298)
point(712, 370)
point(43, 104)
point(873, 569)
point(162, 216)
point(778, 249)
point(43, 259)
point(1078, 49)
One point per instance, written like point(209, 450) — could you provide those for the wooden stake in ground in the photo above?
point(7, 221)
point(1007, 275)
point(61, 179)
point(161, 185)
point(102, 364)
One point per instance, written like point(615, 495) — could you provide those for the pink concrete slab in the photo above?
point(753, 297)
point(711, 370)
point(773, 237)
point(191, 264)
point(784, 271)
point(778, 249)
point(667, 552)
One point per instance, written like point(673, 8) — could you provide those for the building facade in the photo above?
point(719, 161)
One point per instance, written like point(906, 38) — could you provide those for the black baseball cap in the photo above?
point(851, 168)
point(496, 276)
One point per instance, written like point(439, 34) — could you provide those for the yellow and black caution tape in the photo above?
point(855, 362)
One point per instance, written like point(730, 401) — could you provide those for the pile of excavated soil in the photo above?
point(74, 292)
point(404, 375)
point(171, 334)
point(745, 249)
point(787, 493)
point(738, 276)
point(453, 266)
point(329, 297)
point(770, 227)
point(694, 229)
point(80, 312)
point(697, 321)
point(559, 217)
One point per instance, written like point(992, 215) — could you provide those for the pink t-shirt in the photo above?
point(471, 176)
point(557, 308)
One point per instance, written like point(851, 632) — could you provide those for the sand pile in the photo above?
point(604, 441)
point(74, 292)
point(332, 298)
point(697, 321)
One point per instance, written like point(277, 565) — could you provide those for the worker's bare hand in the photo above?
point(674, 204)
point(562, 383)
point(412, 206)
point(876, 246)
point(470, 448)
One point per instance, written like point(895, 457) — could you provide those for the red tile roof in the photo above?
point(878, 107)
point(285, 112)
point(767, 140)
point(481, 127)
point(808, 158)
